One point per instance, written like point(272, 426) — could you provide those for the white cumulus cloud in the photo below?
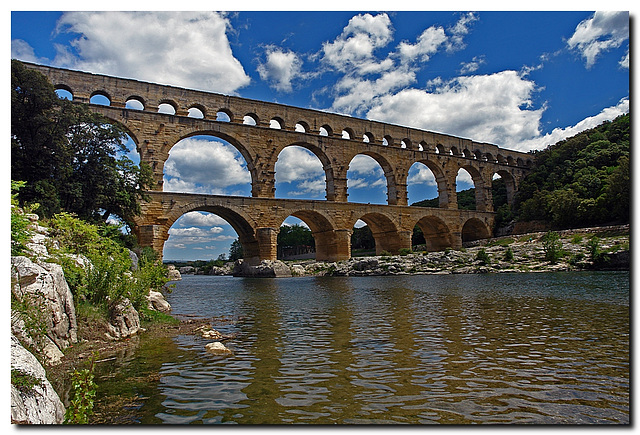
point(281, 68)
point(188, 49)
point(197, 165)
point(489, 108)
point(604, 31)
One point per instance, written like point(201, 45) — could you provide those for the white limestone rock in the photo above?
point(39, 404)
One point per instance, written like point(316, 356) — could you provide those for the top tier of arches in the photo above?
point(173, 101)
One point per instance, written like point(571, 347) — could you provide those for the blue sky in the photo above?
point(521, 80)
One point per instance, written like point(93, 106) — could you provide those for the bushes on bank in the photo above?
point(109, 277)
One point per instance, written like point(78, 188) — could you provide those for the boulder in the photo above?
point(265, 269)
point(37, 404)
point(217, 348)
point(173, 274)
point(44, 284)
point(124, 322)
point(158, 302)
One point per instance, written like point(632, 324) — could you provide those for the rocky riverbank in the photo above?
point(512, 254)
point(45, 331)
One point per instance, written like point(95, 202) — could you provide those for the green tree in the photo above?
point(235, 251)
point(70, 158)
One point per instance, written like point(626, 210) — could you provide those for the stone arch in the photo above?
point(64, 87)
point(437, 234)
point(224, 115)
point(277, 123)
point(510, 184)
point(167, 107)
point(368, 137)
point(239, 221)
point(251, 119)
point(474, 229)
point(330, 244)
point(101, 94)
point(302, 127)
point(385, 233)
point(246, 153)
point(441, 181)
point(388, 171)
point(479, 186)
point(322, 157)
point(197, 111)
point(325, 130)
point(348, 133)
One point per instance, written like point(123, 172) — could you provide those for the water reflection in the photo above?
point(539, 348)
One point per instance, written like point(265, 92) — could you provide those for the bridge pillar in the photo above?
point(152, 236)
point(339, 190)
point(267, 243)
point(392, 241)
point(334, 245)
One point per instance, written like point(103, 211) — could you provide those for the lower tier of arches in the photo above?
point(257, 222)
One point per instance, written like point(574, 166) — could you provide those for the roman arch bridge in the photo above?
point(164, 115)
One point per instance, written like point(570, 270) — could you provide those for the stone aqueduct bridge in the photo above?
point(261, 130)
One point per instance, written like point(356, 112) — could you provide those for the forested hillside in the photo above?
point(580, 181)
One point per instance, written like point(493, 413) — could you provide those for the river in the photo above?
point(540, 348)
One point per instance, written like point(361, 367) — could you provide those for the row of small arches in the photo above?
point(170, 108)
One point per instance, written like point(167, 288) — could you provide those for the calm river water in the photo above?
point(541, 348)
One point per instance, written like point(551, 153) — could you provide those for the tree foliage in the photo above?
point(583, 180)
point(70, 158)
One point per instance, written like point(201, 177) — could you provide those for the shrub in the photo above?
point(83, 392)
point(552, 246)
point(20, 233)
point(483, 257)
point(508, 254)
point(405, 251)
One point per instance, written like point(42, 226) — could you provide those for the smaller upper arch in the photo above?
point(251, 119)
point(197, 111)
point(101, 98)
point(325, 130)
point(302, 127)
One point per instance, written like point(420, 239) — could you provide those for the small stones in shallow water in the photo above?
point(217, 348)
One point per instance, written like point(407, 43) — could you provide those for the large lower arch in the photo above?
point(437, 234)
point(481, 199)
point(248, 236)
point(387, 235)
point(474, 229)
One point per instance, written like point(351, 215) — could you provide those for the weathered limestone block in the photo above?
point(124, 322)
point(158, 302)
point(45, 284)
point(39, 404)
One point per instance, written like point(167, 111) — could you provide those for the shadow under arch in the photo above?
point(384, 231)
point(324, 161)
point(474, 229)
point(437, 234)
point(330, 244)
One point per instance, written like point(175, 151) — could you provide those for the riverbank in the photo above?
point(513, 254)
